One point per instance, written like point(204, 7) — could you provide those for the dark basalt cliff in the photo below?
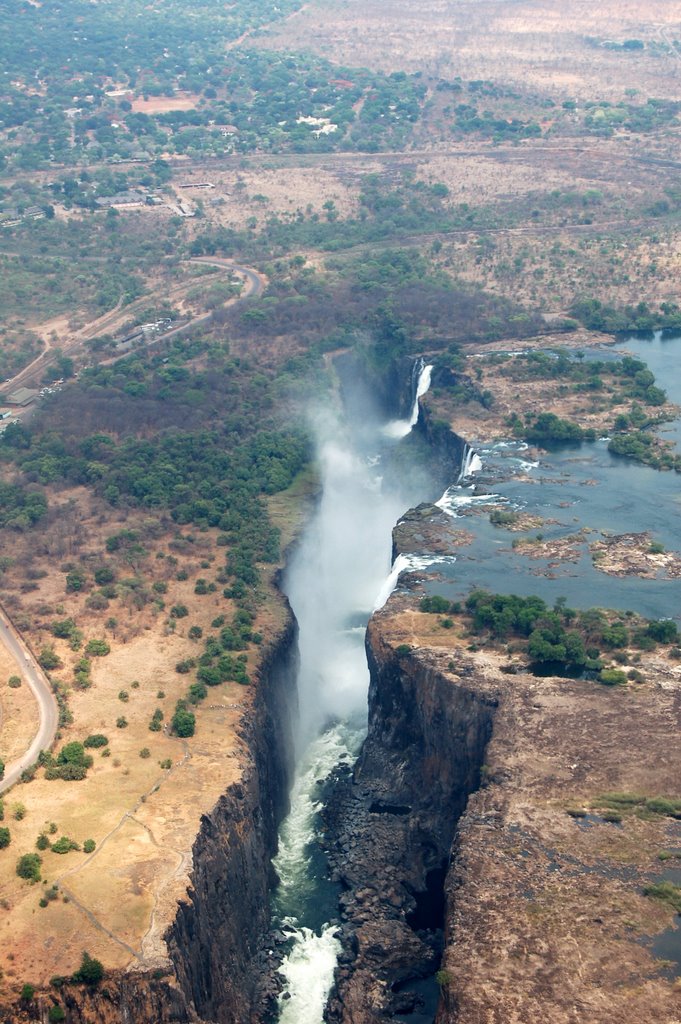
point(392, 823)
point(216, 941)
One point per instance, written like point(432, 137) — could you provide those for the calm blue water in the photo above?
point(580, 488)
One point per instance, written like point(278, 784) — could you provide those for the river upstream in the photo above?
point(342, 572)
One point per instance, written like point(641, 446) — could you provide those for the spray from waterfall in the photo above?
point(332, 582)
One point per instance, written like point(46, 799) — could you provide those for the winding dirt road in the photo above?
point(32, 674)
point(30, 670)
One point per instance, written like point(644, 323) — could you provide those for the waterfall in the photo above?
point(406, 563)
point(332, 581)
point(420, 377)
point(470, 463)
point(422, 385)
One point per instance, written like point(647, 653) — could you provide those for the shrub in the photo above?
point(66, 772)
point(183, 721)
point(145, 753)
point(195, 633)
point(28, 867)
point(121, 723)
point(27, 992)
point(166, 763)
point(155, 725)
point(97, 648)
point(56, 1013)
point(75, 580)
point(661, 805)
point(667, 892)
point(49, 659)
point(42, 842)
point(74, 753)
point(96, 739)
point(665, 631)
point(436, 603)
point(90, 971)
point(64, 845)
point(612, 677)
point(502, 517)
point(403, 650)
point(104, 575)
point(89, 846)
point(124, 696)
point(63, 629)
point(14, 682)
point(179, 611)
point(5, 838)
point(197, 692)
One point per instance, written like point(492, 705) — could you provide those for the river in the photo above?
point(342, 572)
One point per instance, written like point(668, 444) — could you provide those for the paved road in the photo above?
point(32, 674)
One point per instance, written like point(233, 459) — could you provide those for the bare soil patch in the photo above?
point(161, 104)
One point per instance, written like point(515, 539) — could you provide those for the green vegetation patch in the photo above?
point(667, 892)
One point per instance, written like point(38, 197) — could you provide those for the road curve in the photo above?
point(254, 285)
point(31, 673)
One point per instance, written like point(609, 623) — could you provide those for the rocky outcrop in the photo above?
point(216, 941)
point(392, 822)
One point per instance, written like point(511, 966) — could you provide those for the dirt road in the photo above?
point(32, 674)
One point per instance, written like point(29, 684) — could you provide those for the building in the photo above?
point(22, 397)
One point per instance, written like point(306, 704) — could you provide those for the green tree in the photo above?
point(183, 721)
point(28, 867)
point(90, 972)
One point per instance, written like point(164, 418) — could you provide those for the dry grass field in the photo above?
point(143, 798)
point(533, 44)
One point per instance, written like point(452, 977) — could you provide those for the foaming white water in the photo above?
point(455, 498)
point(297, 833)
point(334, 574)
point(470, 463)
point(400, 428)
point(308, 972)
point(309, 966)
point(406, 563)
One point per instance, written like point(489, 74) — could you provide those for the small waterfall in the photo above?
point(470, 463)
point(420, 382)
point(406, 563)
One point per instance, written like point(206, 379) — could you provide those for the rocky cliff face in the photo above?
point(216, 941)
point(392, 823)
